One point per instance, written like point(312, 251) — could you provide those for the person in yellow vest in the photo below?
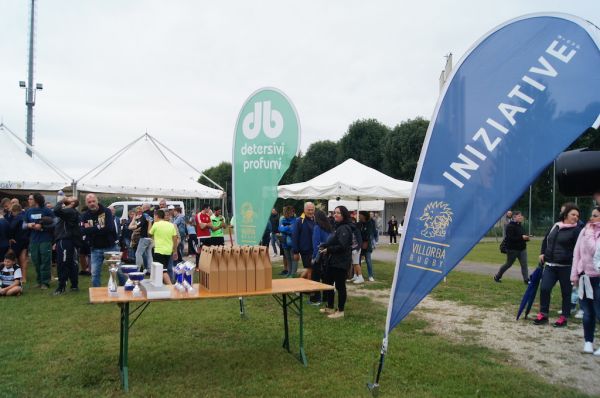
point(166, 240)
point(218, 225)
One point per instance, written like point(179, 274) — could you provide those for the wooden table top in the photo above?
point(99, 295)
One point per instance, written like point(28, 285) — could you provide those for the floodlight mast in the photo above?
point(30, 88)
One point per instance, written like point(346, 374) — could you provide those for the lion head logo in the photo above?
point(247, 213)
point(436, 218)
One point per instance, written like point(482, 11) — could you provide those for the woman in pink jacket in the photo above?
point(585, 277)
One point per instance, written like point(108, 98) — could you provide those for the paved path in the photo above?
point(513, 272)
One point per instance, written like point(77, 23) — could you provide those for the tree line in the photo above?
point(395, 151)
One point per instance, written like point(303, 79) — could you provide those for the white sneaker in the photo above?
point(359, 279)
point(371, 279)
point(337, 314)
point(597, 352)
point(588, 347)
point(579, 314)
point(351, 279)
point(327, 310)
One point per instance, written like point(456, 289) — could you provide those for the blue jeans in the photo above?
point(591, 311)
point(97, 260)
point(275, 243)
point(292, 265)
point(369, 262)
point(143, 254)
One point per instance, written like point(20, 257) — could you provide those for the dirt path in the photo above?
point(554, 354)
point(513, 272)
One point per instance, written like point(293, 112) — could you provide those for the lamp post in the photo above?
point(30, 89)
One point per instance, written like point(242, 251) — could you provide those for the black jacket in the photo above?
point(67, 226)
point(514, 236)
point(558, 244)
point(102, 235)
point(339, 247)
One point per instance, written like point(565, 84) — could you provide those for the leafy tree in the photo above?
point(363, 142)
point(221, 174)
point(402, 147)
point(320, 157)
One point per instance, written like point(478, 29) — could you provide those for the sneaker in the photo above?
point(359, 279)
point(588, 347)
point(526, 281)
point(352, 279)
point(326, 310)
point(75, 289)
point(541, 319)
point(315, 303)
point(340, 314)
point(496, 279)
point(59, 291)
point(579, 314)
point(597, 352)
point(561, 322)
point(371, 279)
point(44, 287)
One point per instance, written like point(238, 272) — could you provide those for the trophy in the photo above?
point(188, 279)
point(127, 269)
point(113, 260)
point(136, 277)
point(179, 271)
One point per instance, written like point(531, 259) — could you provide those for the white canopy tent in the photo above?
point(367, 205)
point(19, 172)
point(145, 167)
point(350, 180)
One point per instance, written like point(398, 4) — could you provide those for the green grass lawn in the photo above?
point(63, 346)
point(489, 253)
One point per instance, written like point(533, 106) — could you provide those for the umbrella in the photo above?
point(530, 292)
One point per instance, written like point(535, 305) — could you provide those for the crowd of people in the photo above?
point(569, 255)
point(330, 246)
point(76, 241)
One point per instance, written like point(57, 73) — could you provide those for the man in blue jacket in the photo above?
point(99, 229)
point(39, 220)
point(302, 246)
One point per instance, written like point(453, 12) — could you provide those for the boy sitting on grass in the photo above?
point(10, 276)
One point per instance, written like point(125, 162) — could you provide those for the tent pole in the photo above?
point(186, 162)
point(112, 157)
point(36, 153)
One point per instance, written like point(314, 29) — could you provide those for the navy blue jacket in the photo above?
point(302, 236)
point(4, 233)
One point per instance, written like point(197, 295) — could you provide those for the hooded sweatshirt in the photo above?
point(584, 252)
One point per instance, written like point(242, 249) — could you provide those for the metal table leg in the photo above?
point(124, 340)
point(124, 346)
point(293, 303)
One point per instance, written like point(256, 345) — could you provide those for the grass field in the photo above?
point(63, 346)
point(487, 252)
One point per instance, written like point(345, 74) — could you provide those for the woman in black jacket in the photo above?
point(557, 257)
point(338, 250)
point(516, 247)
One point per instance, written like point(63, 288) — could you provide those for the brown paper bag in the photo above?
point(222, 263)
point(266, 262)
point(260, 269)
point(250, 269)
point(240, 268)
point(231, 269)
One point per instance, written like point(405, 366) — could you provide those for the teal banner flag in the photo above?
point(267, 137)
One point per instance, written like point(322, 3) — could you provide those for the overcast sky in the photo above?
point(181, 70)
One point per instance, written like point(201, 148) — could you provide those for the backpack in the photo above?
point(356, 237)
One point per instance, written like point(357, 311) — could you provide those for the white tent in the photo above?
point(367, 205)
point(349, 180)
point(19, 171)
point(143, 168)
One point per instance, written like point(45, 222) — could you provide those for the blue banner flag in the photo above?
point(517, 98)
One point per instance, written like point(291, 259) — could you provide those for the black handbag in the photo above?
point(503, 246)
